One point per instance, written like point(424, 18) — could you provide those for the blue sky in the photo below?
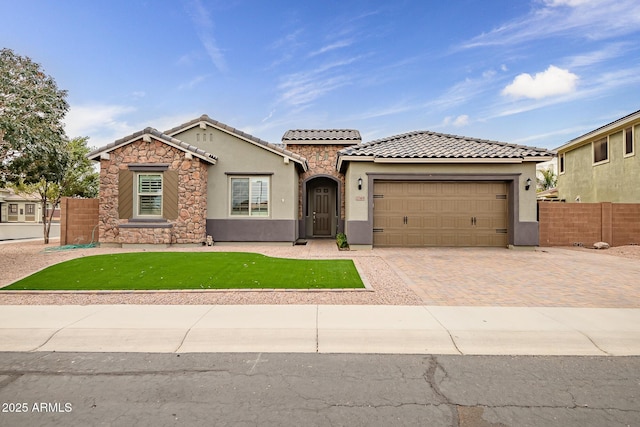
point(537, 72)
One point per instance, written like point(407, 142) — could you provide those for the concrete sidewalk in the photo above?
point(322, 329)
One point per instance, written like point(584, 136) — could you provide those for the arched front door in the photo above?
point(321, 212)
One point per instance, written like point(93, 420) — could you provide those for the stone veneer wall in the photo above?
point(189, 227)
point(322, 160)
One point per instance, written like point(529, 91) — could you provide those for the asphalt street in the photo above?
point(280, 389)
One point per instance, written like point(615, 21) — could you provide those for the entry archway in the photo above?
point(321, 208)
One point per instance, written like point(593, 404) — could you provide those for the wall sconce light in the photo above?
point(527, 184)
point(360, 183)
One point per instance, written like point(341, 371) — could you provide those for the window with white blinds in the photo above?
point(149, 195)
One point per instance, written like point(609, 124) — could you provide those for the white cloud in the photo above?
point(302, 89)
point(608, 52)
point(268, 116)
point(104, 123)
point(570, 3)
point(591, 19)
point(299, 89)
point(98, 122)
point(333, 46)
point(461, 120)
point(165, 123)
point(551, 82)
point(398, 108)
point(204, 27)
point(193, 82)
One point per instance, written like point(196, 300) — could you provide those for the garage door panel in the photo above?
point(414, 205)
point(440, 213)
point(491, 239)
point(429, 205)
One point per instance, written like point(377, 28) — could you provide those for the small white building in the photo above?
point(20, 207)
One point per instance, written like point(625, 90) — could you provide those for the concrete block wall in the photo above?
point(78, 218)
point(625, 224)
point(567, 224)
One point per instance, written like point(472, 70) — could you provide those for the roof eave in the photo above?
point(343, 159)
point(606, 129)
point(209, 158)
point(446, 160)
point(538, 159)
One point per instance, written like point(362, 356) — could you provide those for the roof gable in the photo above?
point(427, 146)
point(147, 133)
point(612, 127)
point(205, 120)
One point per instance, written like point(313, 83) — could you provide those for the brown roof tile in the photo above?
point(426, 144)
point(158, 135)
point(322, 135)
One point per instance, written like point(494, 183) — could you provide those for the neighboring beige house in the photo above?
point(19, 207)
point(602, 165)
point(417, 189)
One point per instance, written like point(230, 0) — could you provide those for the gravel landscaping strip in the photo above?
point(20, 259)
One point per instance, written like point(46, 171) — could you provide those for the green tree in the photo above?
point(62, 172)
point(31, 110)
point(35, 154)
point(81, 178)
point(547, 180)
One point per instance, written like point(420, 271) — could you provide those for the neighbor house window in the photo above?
point(561, 162)
point(30, 209)
point(628, 141)
point(600, 150)
point(13, 208)
point(149, 194)
point(250, 196)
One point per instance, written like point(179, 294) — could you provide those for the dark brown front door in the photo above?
point(322, 211)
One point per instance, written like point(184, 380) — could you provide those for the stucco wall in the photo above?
point(523, 223)
point(613, 181)
point(357, 208)
point(236, 156)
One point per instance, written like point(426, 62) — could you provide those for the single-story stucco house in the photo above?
point(21, 207)
point(204, 178)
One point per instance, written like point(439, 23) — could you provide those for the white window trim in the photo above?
point(633, 142)
point(249, 215)
point(593, 147)
point(136, 196)
point(562, 160)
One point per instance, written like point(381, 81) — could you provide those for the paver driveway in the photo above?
point(551, 277)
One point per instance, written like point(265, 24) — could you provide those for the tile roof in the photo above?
point(158, 135)
point(322, 135)
point(11, 195)
point(426, 144)
point(260, 142)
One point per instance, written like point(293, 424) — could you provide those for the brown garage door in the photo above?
point(440, 213)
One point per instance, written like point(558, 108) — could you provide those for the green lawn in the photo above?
point(183, 270)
